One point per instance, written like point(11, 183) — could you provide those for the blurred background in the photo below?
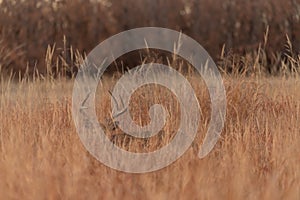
point(36, 35)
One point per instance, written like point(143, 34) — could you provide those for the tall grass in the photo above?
point(44, 43)
point(257, 156)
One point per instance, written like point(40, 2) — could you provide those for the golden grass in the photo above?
point(257, 157)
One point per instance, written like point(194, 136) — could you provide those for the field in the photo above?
point(255, 45)
point(257, 156)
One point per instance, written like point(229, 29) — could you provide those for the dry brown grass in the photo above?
point(257, 157)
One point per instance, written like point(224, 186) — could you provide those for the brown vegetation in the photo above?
point(257, 156)
point(28, 27)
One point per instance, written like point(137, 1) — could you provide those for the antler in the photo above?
point(119, 111)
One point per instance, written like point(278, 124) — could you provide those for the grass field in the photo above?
point(256, 47)
point(257, 156)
